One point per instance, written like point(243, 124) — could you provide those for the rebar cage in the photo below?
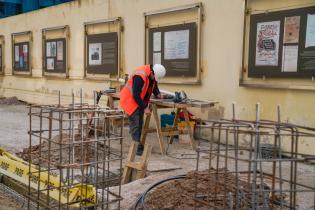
point(75, 155)
point(255, 165)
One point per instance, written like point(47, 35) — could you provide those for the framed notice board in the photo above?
point(102, 53)
point(175, 47)
point(21, 57)
point(55, 56)
point(282, 44)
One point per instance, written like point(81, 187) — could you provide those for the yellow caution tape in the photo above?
point(19, 170)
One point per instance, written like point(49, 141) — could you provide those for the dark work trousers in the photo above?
point(135, 124)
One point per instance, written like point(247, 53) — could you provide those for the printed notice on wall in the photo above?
point(53, 49)
point(157, 41)
point(109, 53)
point(25, 51)
point(290, 58)
point(267, 43)
point(50, 64)
point(291, 29)
point(16, 53)
point(60, 50)
point(156, 58)
point(48, 46)
point(95, 54)
point(176, 45)
point(310, 31)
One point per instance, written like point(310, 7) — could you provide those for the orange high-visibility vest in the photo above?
point(127, 102)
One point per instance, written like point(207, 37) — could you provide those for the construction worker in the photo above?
point(135, 96)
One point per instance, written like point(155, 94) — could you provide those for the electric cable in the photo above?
point(141, 198)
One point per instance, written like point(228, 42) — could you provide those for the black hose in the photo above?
point(141, 198)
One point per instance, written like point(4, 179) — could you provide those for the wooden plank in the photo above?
point(145, 128)
point(175, 124)
point(140, 166)
point(192, 139)
point(171, 133)
point(144, 161)
point(130, 158)
point(135, 165)
point(150, 130)
point(158, 128)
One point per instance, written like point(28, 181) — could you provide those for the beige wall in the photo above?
point(221, 57)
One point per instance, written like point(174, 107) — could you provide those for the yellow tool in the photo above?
point(21, 171)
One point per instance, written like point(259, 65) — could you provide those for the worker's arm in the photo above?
point(136, 91)
point(156, 91)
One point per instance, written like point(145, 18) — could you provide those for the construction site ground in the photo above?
point(181, 159)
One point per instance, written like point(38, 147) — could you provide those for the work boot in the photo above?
point(140, 149)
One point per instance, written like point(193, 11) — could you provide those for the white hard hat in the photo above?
point(159, 71)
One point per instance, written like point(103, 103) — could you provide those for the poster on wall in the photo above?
point(310, 31)
point(176, 45)
point(16, 53)
point(21, 55)
point(291, 29)
point(267, 43)
point(157, 41)
point(157, 58)
point(108, 53)
point(60, 50)
point(25, 51)
point(48, 47)
point(53, 49)
point(50, 64)
point(95, 53)
point(290, 58)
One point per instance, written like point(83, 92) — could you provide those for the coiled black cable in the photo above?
point(141, 198)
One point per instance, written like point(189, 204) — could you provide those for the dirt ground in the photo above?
point(181, 159)
point(7, 202)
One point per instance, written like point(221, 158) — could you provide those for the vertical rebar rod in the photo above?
point(216, 181)
point(196, 179)
point(210, 160)
point(235, 137)
point(280, 155)
point(108, 159)
point(226, 165)
point(256, 149)
point(40, 155)
point(296, 143)
point(29, 155)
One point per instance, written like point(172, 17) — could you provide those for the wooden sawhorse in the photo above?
point(156, 104)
